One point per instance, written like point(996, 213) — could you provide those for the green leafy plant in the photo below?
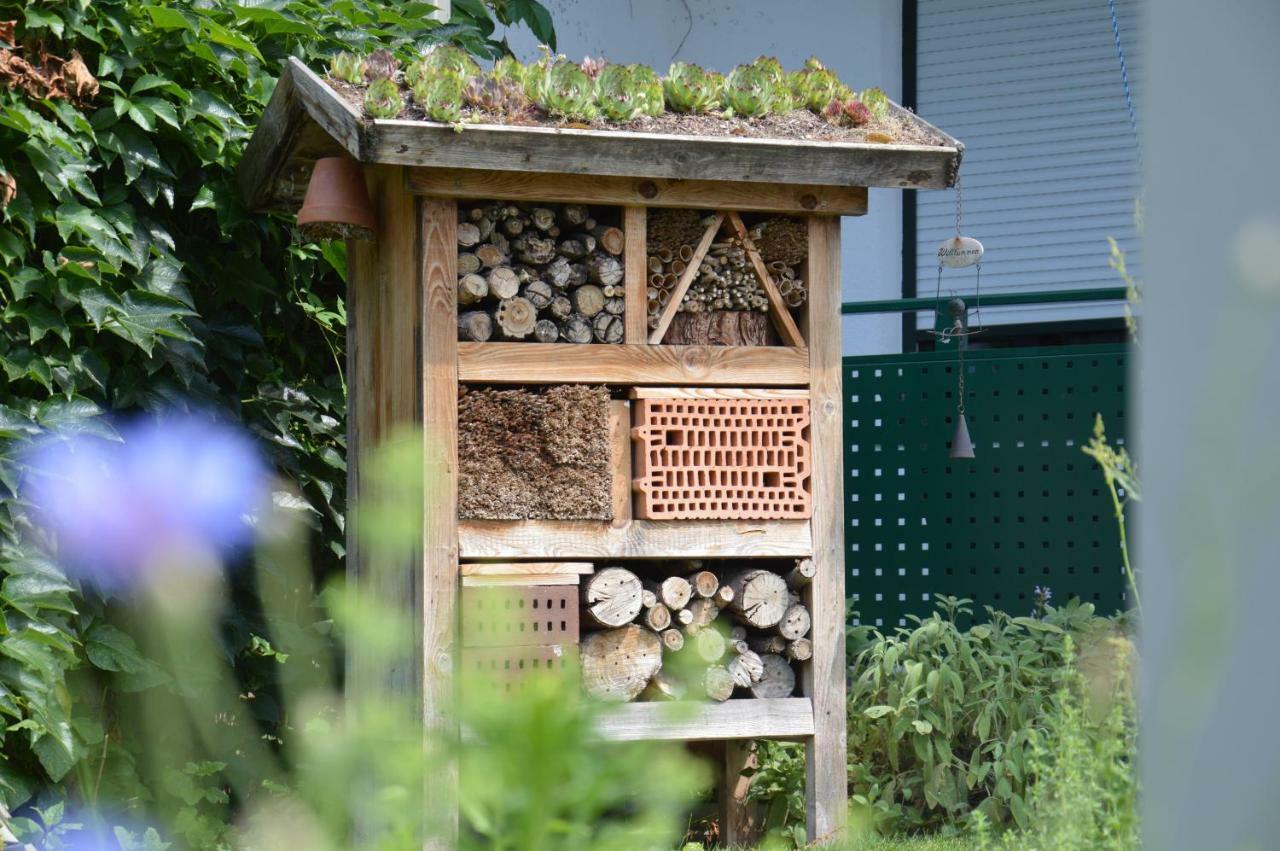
point(1123, 486)
point(383, 100)
point(565, 91)
point(441, 59)
point(441, 96)
point(815, 86)
point(347, 67)
point(649, 89)
point(618, 94)
point(691, 88)
point(779, 783)
point(508, 68)
point(748, 92)
point(876, 102)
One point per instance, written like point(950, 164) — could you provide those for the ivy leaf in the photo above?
point(145, 317)
point(166, 18)
point(112, 650)
point(57, 750)
point(76, 415)
point(13, 424)
point(32, 592)
point(41, 319)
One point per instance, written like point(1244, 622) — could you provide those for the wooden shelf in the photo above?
point(534, 363)
point(574, 539)
point(746, 718)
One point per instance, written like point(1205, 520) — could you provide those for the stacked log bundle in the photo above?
point(726, 303)
point(534, 455)
point(544, 273)
point(695, 633)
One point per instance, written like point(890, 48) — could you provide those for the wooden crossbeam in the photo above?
point(778, 310)
point(682, 286)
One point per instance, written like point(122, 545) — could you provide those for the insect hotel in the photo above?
point(623, 352)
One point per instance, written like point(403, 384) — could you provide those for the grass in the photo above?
point(902, 843)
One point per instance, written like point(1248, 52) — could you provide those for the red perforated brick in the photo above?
point(722, 458)
point(503, 668)
point(519, 615)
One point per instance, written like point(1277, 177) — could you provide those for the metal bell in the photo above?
point(961, 445)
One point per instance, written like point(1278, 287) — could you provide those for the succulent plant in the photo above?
point(383, 100)
point(617, 94)
point(876, 101)
point(814, 87)
point(690, 88)
point(380, 65)
point(564, 90)
point(593, 67)
point(496, 95)
point(535, 77)
point(347, 67)
point(441, 58)
point(440, 94)
point(851, 112)
point(650, 90)
point(748, 91)
point(508, 68)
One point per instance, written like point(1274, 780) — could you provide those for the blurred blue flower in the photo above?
point(175, 483)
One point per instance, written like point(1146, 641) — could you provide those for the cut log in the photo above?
point(673, 640)
point(738, 633)
point(615, 306)
point(795, 623)
point(777, 679)
point(768, 644)
point(588, 300)
point(573, 214)
point(617, 664)
point(604, 268)
point(657, 618)
point(560, 307)
point(724, 596)
point(503, 282)
point(704, 583)
point(513, 226)
point(802, 574)
point(607, 328)
point(546, 331)
point(558, 272)
point(648, 599)
point(472, 288)
point(490, 255)
point(539, 293)
point(576, 329)
point(708, 645)
point(759, 597)
point(612, 596)
point(577, 274)
point(799, 650)
point(515, 318)
point(543, 218)
point(609, 239)
point(468, 234)
point(721, 328)
point(467, 263)
point(717, 683)
point(577, 247)
point(475, 326)
point(663, 686)
point(535, 250)
point(674, 591)
point(684, 617)
point(704, 612)
point(746, 668)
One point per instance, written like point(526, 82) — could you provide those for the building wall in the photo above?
point(860, 40)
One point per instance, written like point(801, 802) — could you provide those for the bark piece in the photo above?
point(475, 326)
point(759, 597)
point(612, 596)
point(777, 679)
point(617, 664)
point(721, 328)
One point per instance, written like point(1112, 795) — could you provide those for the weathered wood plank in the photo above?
point(572, 539)
point(521, 580)
point(778, 310)
point(533, 363)
point(715, 393)
point(620, 459)
point(525, 568)
point(741, 822)
point(652, 155)
point(682, 285)
point(636, 276)
point(779, 718)
point(799, 199)
point(823, 678)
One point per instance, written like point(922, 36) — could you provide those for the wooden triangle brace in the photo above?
point(686, 278)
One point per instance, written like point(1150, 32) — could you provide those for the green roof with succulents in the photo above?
point(758, 123)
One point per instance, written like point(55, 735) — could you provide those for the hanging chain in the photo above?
point(960, 347)
point(959, 206)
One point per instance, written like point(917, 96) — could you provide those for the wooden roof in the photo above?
point(306, 119)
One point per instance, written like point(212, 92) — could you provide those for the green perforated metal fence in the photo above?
point(1029, 510)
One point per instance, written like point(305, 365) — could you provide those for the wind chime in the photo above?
point(959, 252)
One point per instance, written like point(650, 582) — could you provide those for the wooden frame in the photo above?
point(405, 367)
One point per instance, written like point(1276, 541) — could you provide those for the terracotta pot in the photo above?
point(337, 202)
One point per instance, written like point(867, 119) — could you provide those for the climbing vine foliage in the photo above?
point(133, 279)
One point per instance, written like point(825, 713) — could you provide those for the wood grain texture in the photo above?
point(635, 280)
point(525, 568)
point(824, 677)
point(798, 199)
point(682, 285)
point(570, 539)
point(620, 460)
point(521, 581)
point(741, 822)
point(716, 393)
point(537, 363)
point(778, 310)
point(781, 718)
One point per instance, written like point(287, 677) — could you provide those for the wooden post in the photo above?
point(637, 274)
point(741, 823)
point(402, 376)
point(824, 676)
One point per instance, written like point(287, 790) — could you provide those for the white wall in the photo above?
point(860, 40)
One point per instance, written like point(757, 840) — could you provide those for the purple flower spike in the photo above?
point(174, 484)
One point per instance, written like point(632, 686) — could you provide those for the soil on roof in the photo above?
point(798, 125)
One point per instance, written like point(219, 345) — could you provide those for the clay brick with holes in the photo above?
point(503, 669)
point(722, 455)
point(520, 616)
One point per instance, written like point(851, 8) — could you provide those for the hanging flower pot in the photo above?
point(337, 203)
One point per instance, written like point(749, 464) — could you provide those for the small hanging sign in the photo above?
point(959, 252)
